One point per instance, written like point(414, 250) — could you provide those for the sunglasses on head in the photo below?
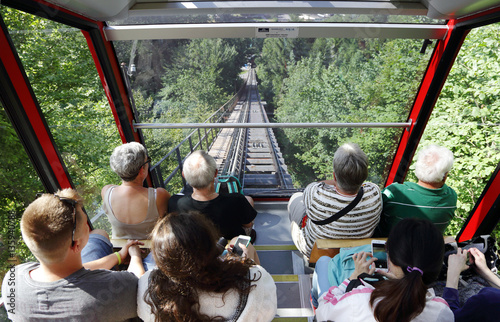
point(147, 161)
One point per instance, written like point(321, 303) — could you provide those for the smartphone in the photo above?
point(242, 239)
point(378, 251)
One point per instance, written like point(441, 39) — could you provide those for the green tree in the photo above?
point(466, 117)
point(348, 80)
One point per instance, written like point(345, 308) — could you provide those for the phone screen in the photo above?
point(245, 240)
point(378, 251)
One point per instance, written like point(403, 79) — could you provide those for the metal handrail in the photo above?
point(269, 125)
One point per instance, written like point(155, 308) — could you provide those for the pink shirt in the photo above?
point(339, 305)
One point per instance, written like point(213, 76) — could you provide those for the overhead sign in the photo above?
point(277, 32)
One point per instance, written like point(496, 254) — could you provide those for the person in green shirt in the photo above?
point(430, 198)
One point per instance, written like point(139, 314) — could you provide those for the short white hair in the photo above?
point(433, 163)
point(127, 159)
point(199, 169)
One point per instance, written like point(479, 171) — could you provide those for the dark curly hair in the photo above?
point(185, 251)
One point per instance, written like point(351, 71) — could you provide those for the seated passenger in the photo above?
point(415, 251)
point(131, 208)
point(322, 200)
point(430, 198)
point(60, 287)
point(193, 283)
point(232, 213)
point(482, 306)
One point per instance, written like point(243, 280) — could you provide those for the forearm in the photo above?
point(452, 278)
point(491, 278)
point(135, 267)
point(106, 262)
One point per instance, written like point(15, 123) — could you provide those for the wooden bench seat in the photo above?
point(119, 243)
point(331, 247)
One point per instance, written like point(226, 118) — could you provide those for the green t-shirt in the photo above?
point(409, 200)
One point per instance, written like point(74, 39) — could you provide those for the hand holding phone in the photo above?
point(242, 239)
point(378, 251)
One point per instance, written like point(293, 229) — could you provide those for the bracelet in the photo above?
point(119, 258)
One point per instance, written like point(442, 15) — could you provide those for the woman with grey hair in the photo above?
point(131, 208)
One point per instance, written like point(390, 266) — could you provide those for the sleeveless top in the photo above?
point(141, 230)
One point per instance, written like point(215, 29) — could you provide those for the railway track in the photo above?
point(251, 154)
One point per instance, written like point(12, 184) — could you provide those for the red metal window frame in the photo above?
point(422, 94)
point(116, 71)
point(18, 77)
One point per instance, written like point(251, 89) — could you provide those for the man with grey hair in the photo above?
point(430, 198)
point(348, 192)
point(232, 213)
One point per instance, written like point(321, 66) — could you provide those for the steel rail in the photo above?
point(228, 165)
point(274, 154)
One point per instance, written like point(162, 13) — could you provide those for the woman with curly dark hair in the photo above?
point(193, 283)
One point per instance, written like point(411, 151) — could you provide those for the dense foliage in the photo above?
point(467, 116)
point(340, 80)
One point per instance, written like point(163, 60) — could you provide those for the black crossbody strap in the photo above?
point(342, 212)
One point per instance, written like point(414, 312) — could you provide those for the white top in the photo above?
point(261, 304)
point(354, 306)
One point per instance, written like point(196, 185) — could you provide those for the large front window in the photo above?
point(330, 80)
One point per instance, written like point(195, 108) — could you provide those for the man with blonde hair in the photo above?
point(430, 198)
point(313, 213)
point(66, 283)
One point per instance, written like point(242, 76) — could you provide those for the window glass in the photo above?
point(466, 118)
point(299, 80)
point(19, 184)
point(65, 81)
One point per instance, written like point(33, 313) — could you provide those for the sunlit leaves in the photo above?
point(466, 118)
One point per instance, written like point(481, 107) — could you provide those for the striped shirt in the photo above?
point(322, 201)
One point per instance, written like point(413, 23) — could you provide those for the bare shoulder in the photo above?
point(105, 188)
point(161, 193)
